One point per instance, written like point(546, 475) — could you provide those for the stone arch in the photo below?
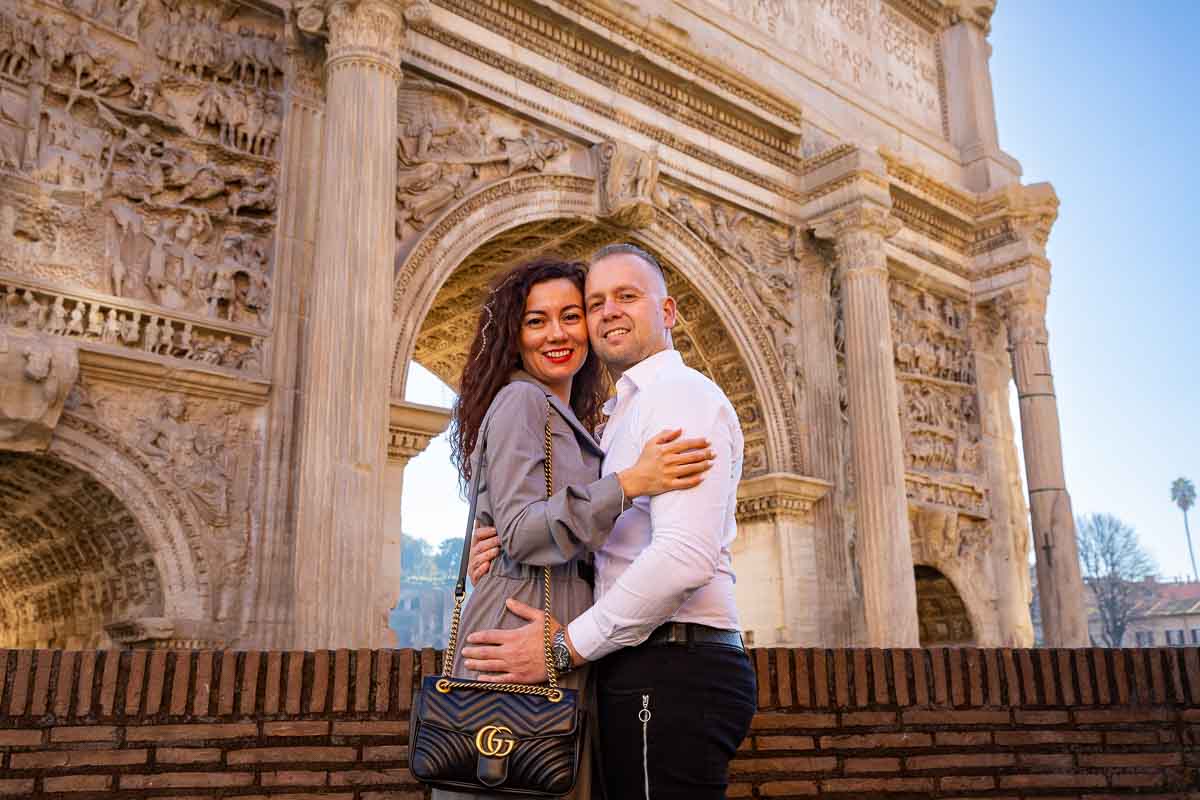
point(138, 520)
point(427, 265)
point(942, 613)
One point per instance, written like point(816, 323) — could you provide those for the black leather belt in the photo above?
point(694, 633)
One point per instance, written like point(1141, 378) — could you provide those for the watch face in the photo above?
point(562, 657)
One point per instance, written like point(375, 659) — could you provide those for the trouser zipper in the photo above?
point(644, 717)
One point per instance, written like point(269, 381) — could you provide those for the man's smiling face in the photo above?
point(629, 314)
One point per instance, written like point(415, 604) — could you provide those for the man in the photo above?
point(676, 691)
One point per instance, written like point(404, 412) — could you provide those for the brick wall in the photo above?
point(854, 723)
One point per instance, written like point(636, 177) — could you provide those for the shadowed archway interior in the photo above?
point(941, 612)
point(699, 335)
point(72, 557)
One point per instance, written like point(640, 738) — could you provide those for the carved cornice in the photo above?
point(779, 494)
point(608, 63)
point(565, 114)
point(736, 85)
point(162, 633)
point(96, 363)
point(411, 426)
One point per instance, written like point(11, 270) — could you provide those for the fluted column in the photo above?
point(1060, 584)
point(343, 454)
point(839, 621)
point(858, 232)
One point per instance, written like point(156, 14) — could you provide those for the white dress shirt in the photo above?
point(668, 556)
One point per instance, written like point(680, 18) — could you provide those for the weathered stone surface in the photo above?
point(36, 374)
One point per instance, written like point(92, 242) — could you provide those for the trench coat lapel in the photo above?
point(564, 411)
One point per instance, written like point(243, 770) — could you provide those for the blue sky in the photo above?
point(1100, 99)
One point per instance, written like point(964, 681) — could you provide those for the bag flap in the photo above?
point(526, 715)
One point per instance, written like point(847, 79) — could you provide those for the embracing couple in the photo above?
point(638, 525)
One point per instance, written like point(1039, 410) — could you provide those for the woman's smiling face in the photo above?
point(554, 337)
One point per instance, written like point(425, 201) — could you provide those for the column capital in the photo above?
point(779, 494)
point(977, 13)
point(1023, 308)
point(360, 31)
point(858, 231)
point(411, 426)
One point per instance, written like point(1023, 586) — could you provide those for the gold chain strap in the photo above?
point(550, 690)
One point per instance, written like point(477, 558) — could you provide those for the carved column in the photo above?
point(410, 429)
point(295, 245)
point(1060, 584)
point(840, 621)
point(858, 232)
point(1009, 548)
point(343, 453)
point(778, 586)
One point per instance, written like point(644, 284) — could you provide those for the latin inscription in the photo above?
point(867, 44)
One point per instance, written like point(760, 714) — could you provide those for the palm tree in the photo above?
point(1183, 494)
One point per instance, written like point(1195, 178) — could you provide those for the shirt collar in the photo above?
point(642, 374)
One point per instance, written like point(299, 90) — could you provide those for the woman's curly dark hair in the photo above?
point(495, 353)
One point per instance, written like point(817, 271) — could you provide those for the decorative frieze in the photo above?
point(94, 319)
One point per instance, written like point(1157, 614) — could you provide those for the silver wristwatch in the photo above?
point(560, 651)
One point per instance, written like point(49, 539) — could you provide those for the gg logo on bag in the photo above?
point(491, 742)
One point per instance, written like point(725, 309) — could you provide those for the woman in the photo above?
point(530, 362)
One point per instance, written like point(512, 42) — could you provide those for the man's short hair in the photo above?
point(625, 248)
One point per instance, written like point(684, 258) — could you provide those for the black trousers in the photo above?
point(671, 716)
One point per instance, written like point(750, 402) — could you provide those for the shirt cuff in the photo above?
point(587, 639)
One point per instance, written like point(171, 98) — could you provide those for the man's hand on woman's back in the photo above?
point(485, 548)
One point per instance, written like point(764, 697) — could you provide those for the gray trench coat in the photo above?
point(535, 531)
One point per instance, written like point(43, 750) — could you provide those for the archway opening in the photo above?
point(439, 354)
point(700, 335)
point(72, 557)
point(941, 612)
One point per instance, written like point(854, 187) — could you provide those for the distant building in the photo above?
point(421, 616)
point(1165, 614)
point(1168, 614)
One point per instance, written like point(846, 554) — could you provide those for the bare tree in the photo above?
point(1114, 564)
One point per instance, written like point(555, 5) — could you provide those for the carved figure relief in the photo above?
point(930, 336)
point(211, 452)
point(36, 375)
point(625, 180)
point(939, 408)
point(945, 539)
point(37, 311)
point(447, 147)
point(768, 271)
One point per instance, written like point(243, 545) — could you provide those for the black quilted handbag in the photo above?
point(499, 738)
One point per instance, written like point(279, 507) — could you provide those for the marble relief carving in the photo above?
point(36, 373)
point(941, 425)
point(210, 452)
point(147, 175)
point(767, 256)
point(449, 146)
